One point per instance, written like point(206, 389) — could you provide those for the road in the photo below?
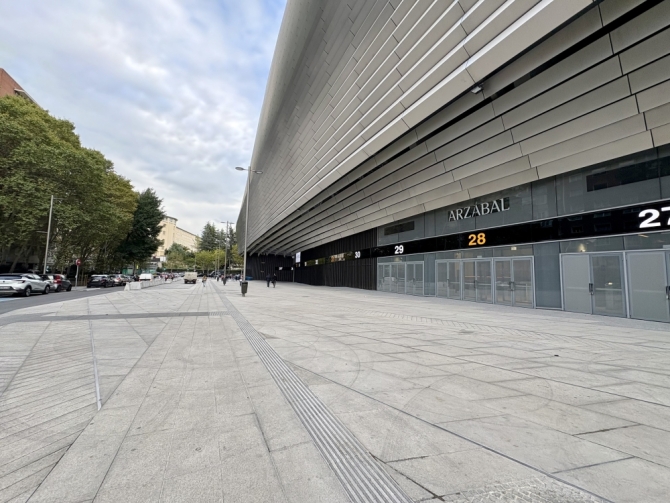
point(8, 304)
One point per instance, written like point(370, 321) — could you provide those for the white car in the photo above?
point(146, 276)
point(23, 284)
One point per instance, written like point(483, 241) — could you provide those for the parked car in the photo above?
point(57, 282)
point(145, 276)
point(190, 277)
point(118, 279)
point(23, 284)
point(99, 281)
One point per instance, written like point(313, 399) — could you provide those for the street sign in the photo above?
point(78, 262)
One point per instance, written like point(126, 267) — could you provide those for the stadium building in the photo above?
point(510, 152)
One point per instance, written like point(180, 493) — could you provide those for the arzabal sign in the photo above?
point(477, 210)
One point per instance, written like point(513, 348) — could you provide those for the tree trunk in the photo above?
point(17, 257)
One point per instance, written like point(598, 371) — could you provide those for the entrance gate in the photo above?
point(502, 280)
point(593, 283)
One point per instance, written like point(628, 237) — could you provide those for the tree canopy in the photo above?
point(94, 207)
point(209, 238)
point(142, 240)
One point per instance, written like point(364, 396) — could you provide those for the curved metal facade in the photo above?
point(379, 110)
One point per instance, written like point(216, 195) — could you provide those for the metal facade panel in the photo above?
point(645, 52)
point(589, 122)
point(358, 94)
point(593, 100)
point(651, 21)
point(649, 75)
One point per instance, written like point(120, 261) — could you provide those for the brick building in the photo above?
point(10, 87)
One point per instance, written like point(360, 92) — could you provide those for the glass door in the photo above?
point(414, 278)
point(401, 278)
point(649, 285)
point(577, 286)
point(522, 282)
point(394, 278)
point(607, 280)
point(469, 280)
point(483, 281)
point(442, 280)
point(387, 278)
point(454, 280)
point(503, 292)
point(418, 278)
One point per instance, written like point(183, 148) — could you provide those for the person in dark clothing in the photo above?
point(274, 281)
point(268, 278)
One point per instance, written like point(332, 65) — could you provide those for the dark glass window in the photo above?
point(398, 228)
point(622, 176)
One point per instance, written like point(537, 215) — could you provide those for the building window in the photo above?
point(398, 228)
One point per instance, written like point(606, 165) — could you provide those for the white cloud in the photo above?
point(170, 91)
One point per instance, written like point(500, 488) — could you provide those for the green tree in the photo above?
point(179, 257)
point(42, 156)
point(209, 239)
point(142, 240)
point(236, 259)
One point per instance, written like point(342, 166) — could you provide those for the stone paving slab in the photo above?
point(455, 401)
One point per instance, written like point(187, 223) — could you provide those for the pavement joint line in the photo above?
point(479, 444)
point(360, 475)
point(89, 317)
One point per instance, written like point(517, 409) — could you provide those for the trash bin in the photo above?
point(244, 285)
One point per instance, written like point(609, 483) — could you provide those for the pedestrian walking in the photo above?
point(274, 281)
point(204, 281)
point(268, 278)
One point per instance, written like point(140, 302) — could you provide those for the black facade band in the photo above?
point(638, 219)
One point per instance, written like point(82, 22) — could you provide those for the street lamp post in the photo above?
point(246, 226)
point(46, 252)
point(225, 259)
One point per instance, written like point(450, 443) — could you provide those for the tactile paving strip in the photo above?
point(363, 479)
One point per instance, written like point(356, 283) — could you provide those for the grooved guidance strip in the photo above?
point(361, 476)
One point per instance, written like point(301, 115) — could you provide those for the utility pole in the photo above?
point(46, 252)
point(225, 259)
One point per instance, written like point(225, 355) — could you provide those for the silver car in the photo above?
point(22, 284)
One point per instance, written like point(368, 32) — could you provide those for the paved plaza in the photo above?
point(181, 393)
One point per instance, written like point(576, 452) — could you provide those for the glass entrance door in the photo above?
point(503, 292)
point(649, 285)
point(442, 272)
point(607, 280)
point(454, 280)
point(393, 286)
point(414, 278)
point(469, 280)
point(514, 281)
point(522, 282)
point(483, 281)
point(387, 278)
point(594, 284)
point(576, 283)
point(449, 279)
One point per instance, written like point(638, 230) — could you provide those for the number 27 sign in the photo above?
point(653, 218)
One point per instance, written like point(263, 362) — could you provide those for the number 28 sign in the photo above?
point(653, 218)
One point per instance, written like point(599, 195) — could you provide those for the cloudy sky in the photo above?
point(169, 90)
